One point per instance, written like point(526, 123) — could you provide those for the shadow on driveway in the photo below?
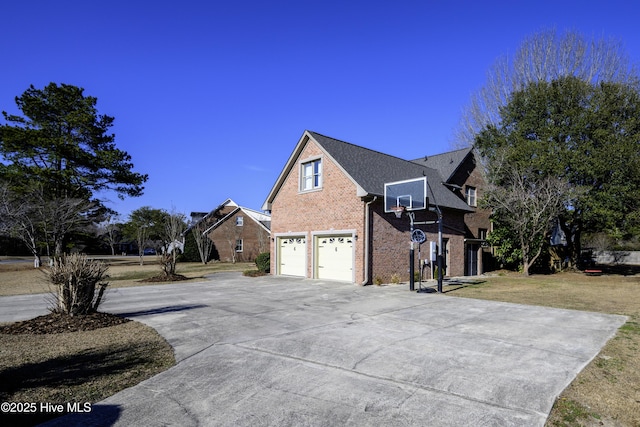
point(161, 310)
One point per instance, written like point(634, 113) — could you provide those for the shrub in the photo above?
point(263, 262)
point(190, 253)
point(75, 279)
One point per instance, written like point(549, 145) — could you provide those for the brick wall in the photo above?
point(391, 243)
point(469, 174)
point(333, 207)
point(254, 237)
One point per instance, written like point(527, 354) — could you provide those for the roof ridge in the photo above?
point(442, 154)
point(360, 146)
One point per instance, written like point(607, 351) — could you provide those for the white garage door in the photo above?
point(293, 253)
point(335, 258)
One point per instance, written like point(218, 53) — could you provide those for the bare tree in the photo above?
point(5, 208)
point(36, 219)
point(232, 233)
point(108, 229)
point(544, 56)
point(527, 204)
point(17, 219)
point(203, 242)
point(174, 225)
point(58, 217)
point(263, 240)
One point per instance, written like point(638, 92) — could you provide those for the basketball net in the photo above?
point(398, 210)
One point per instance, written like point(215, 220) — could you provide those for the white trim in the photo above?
point(410, 208)
point(222, 220)
point(254, 215)
point(289, 235)
point(315, 235)
point(302, 177)
point(293, 160)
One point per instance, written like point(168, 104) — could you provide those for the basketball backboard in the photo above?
point(410, 193)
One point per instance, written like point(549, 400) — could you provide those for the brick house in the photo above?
point(328, 219)
point(237, 232)
point(461, 174)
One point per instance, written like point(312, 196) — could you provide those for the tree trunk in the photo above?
point(533, 260)
point(574, 246)
point(58, 251)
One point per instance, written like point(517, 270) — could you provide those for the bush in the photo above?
point(263, 262)
point(75, 279)
point(190, 253)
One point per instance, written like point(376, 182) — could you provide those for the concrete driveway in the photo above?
point(276, 351)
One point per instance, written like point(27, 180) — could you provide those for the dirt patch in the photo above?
point(56, 323)
point(165, 278)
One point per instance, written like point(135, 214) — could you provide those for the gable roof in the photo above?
point(446, 163)
point(370, 170)
point(264, 220)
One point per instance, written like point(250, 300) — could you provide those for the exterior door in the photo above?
point(472, 260)
point(334, 258)
point(292, 253)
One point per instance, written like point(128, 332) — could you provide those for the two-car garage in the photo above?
point(332, 256)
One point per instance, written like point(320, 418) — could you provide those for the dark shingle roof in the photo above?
point(371, 170)
point(445, 163)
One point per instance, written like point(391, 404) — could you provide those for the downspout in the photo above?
point(366, 240)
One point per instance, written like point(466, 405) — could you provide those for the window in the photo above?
point(470, 193)
point(311, 175)
point(482, 235)
point(239, 245)
point(239, 221)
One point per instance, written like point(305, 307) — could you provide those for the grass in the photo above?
point(22, 278)
point(85, 366)
point(607, 391)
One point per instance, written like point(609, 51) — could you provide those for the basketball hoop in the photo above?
point(398, 210)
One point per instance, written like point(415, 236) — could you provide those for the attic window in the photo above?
point(470, 193)
point(311, 175)
point(239, 221)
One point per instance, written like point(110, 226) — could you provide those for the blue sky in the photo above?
point(210, 97)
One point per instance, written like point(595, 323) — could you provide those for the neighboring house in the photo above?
point(328, 219)
point(238, 233)
point(462, 175)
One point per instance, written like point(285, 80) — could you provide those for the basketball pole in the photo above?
point(411, 254)
point(439, 257)
point(439, 212)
